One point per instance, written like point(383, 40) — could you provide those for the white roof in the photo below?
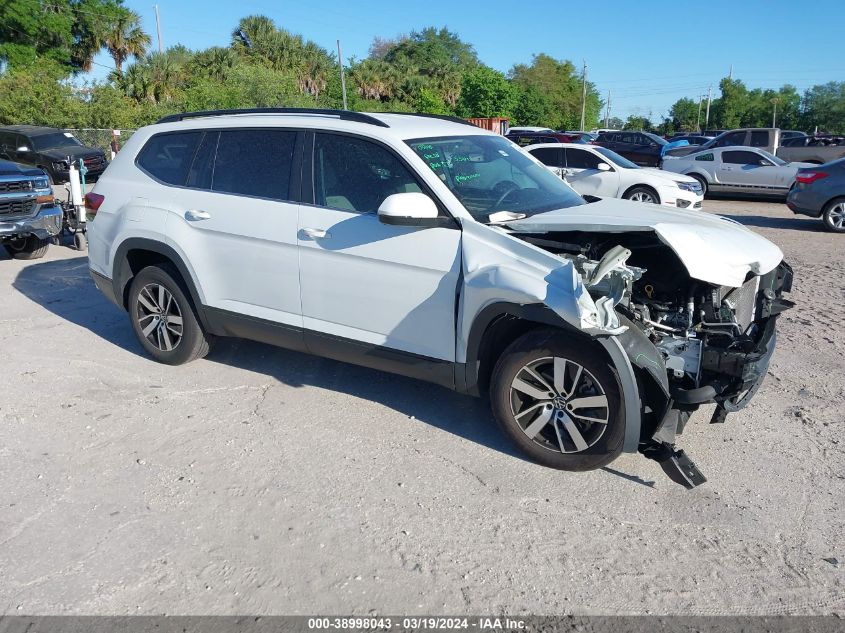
point(401, 127)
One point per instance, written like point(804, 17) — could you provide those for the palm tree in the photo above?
point(215, 62)
point(125, 37)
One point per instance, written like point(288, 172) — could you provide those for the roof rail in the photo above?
point(442, 117)
point(346, 115)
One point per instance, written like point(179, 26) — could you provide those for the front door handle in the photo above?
point(197, 215)
point(316, 234)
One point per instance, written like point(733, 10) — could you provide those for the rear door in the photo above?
point(551, 157)
point(367, 285)
point(235, 218)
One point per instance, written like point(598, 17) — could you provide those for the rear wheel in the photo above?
point(833, 215)
point(642, 194)
point(559, 401)
point(29, 247)
point(163, 317)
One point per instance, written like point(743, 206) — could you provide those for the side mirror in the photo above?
point(22, 148)
point(408, 209)
point(603, 167)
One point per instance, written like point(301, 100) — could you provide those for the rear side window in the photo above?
point(759, 138)
point(168, 157)
point(254, 163)
point(550, 156)
point(356, 175)
point(707, 157)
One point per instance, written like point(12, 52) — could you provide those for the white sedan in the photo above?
point(738, 169)
point(598, 171)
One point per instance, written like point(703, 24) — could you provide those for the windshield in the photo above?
point(489, 175)
point(772, 157)
point(56, 139)
point(621, 161)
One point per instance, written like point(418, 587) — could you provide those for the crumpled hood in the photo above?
point(712, 248)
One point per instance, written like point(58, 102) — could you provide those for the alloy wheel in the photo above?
point(836, 216)
point(642, 196)
point(159, 317)
point(559, 405)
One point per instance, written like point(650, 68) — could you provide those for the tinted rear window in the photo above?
point(168, 157)
point(254, 163)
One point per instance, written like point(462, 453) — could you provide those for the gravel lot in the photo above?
point(265, 481)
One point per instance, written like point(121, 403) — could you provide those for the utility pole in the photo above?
point(158, 31)
point(584, 97)
point(775, 111)
point(698, 118)
point(731, 72)
point(342, 77)
point(607, 112)
point(707, 116)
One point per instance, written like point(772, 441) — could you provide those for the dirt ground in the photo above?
point(263, 481)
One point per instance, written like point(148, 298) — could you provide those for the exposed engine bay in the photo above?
point(693, 342)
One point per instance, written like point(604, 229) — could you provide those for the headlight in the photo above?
point(694, 187)
point(40, 183)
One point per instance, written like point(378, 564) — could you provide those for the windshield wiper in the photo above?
point(500, 217)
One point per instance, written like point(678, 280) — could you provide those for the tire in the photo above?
point(50, 178)
point(833, 215)
point(29, 247)
point(80, 241)
point(701, 181)
point(167, 341)
point(553, 431)
point(641, 193)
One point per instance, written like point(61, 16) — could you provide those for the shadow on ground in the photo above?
point(811, 225)
point(65, 288)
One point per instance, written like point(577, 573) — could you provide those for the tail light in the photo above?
point(92, 204)
point(808, 177)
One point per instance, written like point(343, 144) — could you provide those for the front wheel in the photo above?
point(163, 317)
point(833, 215)
point(642, 194)
point(559, 400)
point(29, 247)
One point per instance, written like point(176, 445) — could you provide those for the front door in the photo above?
point(365, 283)
point(583, 174)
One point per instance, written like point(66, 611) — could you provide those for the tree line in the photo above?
point(46, 44)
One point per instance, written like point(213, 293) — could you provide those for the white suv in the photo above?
point(425, 246)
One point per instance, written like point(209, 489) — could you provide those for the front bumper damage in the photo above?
point(45, 223)
point(734, 373)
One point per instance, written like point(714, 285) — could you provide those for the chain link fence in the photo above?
point(102, 139)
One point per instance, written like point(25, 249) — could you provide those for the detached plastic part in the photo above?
point(677, 466)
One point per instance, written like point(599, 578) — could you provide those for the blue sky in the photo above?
point(648, 53)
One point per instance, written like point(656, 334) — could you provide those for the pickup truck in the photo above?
point(29, 215)
point(801, 149)
point(812, 149)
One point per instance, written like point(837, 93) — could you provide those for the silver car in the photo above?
point(738, 169)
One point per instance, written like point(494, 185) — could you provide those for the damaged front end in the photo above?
point(691, 342)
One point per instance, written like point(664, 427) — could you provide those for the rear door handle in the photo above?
point(316, 234)
point(197, 215)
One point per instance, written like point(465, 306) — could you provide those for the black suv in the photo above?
point(49, 149)
point(642, 148)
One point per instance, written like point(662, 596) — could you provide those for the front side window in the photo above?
point(254, 163)
point(352, 174)
point(742, 158)
point(168, 156)
point(581, 159)
point(488, 175)
point(734, 138)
